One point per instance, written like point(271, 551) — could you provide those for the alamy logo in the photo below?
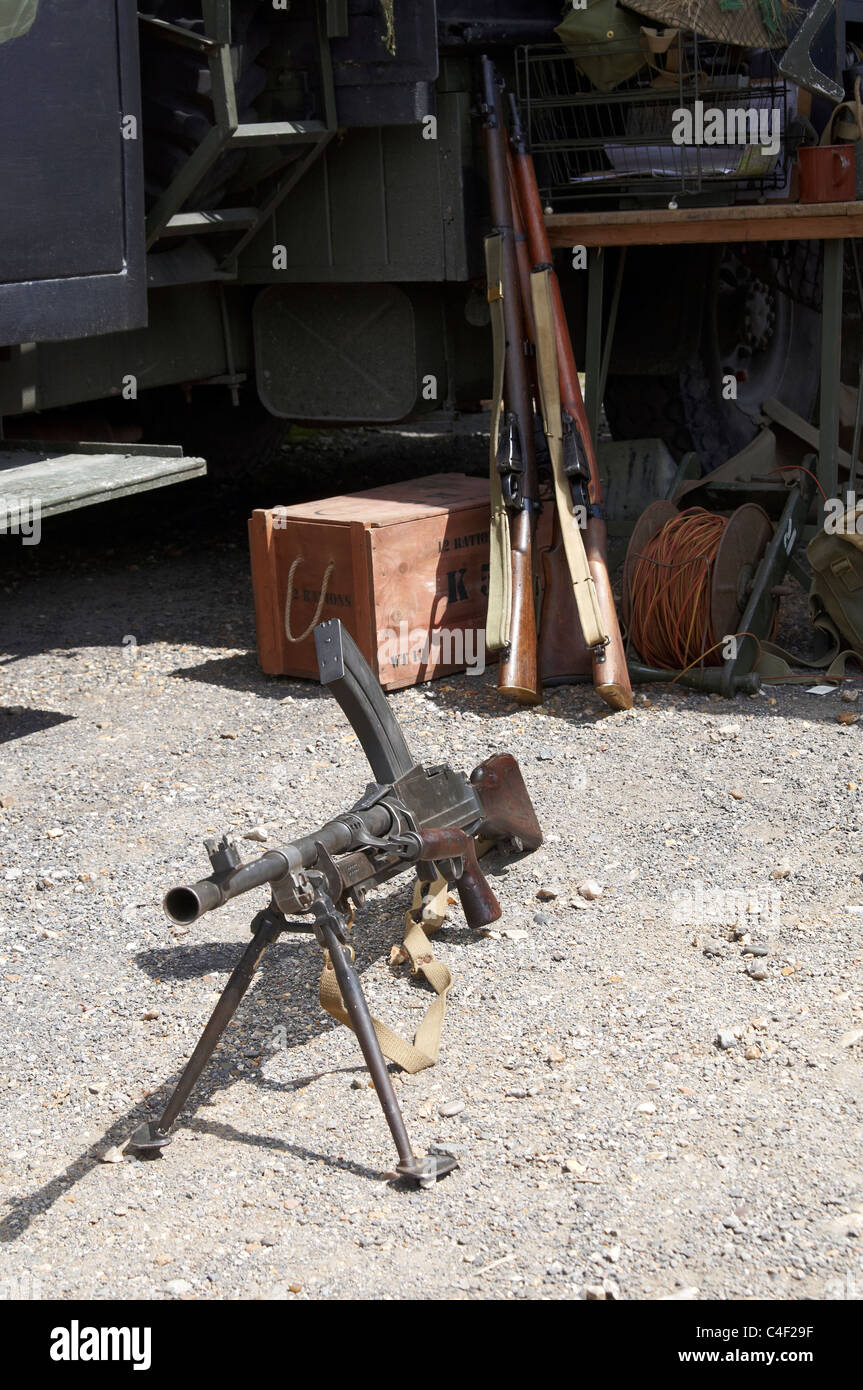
point(77, 1343)
point(725, 125)
point(442, 647)
point(843, 518)
point(21, 516)
point(717, 907)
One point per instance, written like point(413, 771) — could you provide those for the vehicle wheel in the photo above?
point(759, 337)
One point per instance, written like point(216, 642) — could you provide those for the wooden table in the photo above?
point(831, 223)
point(674, 227)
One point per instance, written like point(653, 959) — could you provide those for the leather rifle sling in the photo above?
point(583, 586)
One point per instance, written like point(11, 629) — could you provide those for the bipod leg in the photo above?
point(424, 1171)
point(267, 926)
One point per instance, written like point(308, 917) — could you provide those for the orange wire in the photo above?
point(670, 592)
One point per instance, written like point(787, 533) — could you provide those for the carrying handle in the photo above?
point(477, 898)
point(322, 598)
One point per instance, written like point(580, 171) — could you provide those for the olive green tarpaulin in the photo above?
point(16, 17)
point(749, 23)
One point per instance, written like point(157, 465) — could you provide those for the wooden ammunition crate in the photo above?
point(406, 570)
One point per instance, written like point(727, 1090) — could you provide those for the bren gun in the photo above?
point(425, 818)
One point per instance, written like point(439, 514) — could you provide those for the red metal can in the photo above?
point(826, 173)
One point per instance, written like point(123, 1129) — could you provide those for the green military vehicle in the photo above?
point(218, 218)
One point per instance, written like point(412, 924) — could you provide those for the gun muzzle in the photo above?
point(186, 905)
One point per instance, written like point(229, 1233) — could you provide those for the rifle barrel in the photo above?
point(185, 904)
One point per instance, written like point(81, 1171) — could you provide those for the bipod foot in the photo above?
point(149, 1136)
point(427, 1171)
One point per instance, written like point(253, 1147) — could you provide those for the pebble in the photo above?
point(261, 833)
point(451, 1107)
point(852, 1036)
point(546, 895)
point(756, 971)
point(519, 934)
point(178, 1286)
point(756, 948)
point(725, 1039)
point(112, 1155)
point(712, 947)
point(752, 1053)
point(646, 1108)
point(589, 889)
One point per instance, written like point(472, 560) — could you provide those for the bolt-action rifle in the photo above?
point(515, 490)
point(610, 675)
point(425, 819)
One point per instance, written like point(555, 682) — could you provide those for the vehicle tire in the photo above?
point(759, 325)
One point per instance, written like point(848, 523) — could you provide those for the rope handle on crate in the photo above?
point(295, 563)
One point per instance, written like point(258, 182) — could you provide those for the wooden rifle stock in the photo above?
point(562, 651)
point(610, 675)
point(518, 675)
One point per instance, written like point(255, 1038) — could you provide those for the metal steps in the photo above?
point(165, 218)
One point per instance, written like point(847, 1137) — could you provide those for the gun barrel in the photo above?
point(184, 904)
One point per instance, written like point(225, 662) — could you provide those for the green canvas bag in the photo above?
point(835, 604)
point(836, 560)
point(605, 41)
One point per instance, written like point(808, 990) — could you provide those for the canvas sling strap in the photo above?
point(497, 627)
point(835, 604)
point(775, 663)
point(583, 586)
point(425, 915)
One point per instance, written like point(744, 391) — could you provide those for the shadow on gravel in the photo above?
point(25, 1209)
point(17, 721)
point(238, 1136)
point(295, 965)
point(243, 673)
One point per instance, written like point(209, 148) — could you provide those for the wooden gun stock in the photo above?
point(506, 803)
point(562, 651)
point(518, 675)
point(610, 675)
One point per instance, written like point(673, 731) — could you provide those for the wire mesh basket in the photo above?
point(697, 117)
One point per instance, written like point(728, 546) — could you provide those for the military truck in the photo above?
point(221, 218)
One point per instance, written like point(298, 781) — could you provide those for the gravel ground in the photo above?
point(654, 1094)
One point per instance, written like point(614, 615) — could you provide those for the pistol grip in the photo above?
point(477, 897)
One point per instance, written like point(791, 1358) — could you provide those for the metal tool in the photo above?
point(796, 62)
